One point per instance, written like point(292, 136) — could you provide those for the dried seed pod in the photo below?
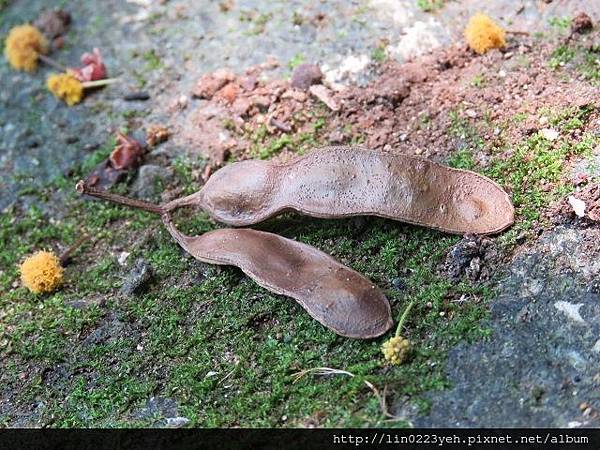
point(333, 294)
point(336, 296)
point(336, 182)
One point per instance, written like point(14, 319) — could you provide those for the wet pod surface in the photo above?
point(336, 182)
point(338, 297)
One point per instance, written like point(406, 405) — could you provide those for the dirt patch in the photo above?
point(405, 109)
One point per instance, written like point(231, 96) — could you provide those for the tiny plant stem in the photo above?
point(517, 32)
point(83, 188)
point(98, 83)
point(403, 318)
point(51, 62)
point(63, 258)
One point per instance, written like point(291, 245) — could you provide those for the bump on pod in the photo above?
point(336, 182)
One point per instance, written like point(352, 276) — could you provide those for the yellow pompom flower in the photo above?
point(42, 272)
point(66, 87)
point(24, 44)
point(482, 34)
point(396, 349)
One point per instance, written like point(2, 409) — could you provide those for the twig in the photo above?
point(83, 188)
point(98, 83)
point(519, 33)
point(64, 257)
point(280, 125)
point(51, 62)
point(322, 371)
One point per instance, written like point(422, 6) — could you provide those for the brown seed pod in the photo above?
point(333, 294)
point(338, 297)
point(336, 182)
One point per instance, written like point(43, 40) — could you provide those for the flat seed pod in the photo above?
point(336, 182)
point(338, 297)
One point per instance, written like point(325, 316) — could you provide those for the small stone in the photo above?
point(176, 422)
point(581, 23)
point(549, 134)
point(53, 23)
point(324, 94)
point(136, 96)
point(472, 114)
point(209, 84)
point(122, 258)
point(305, 75)
point(398, 283)
point(229, 93)
point(145, 185)
point(137, 278)
point(577, 205)
point(502, 73)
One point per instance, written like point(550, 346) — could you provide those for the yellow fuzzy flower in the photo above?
point(24, 44)
point(396, 349)
point(66, 87)
point(482, 34)
point(42, 272)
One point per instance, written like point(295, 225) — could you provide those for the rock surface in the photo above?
point(540, 366)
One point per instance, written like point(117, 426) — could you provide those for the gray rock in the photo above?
point(137, 278)
point(305, 75)
point(540, 364)
point(147, 183)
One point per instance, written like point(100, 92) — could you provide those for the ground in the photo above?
point(505, 328)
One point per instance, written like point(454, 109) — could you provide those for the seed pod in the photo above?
point(336, 182)
point(333, 294)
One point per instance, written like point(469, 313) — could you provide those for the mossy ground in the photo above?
point(224, 349)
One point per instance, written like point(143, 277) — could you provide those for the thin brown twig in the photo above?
point(64, 257)
point(83, 188)
point(51, 62)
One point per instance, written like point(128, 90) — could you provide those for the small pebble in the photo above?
point(133, 96)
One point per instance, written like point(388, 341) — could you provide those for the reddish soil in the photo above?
point(407, 107)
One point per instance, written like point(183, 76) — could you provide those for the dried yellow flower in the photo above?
point(66, 87)
point(24, 44)
point(482, 34)
point(396, 349)
point(42, 272)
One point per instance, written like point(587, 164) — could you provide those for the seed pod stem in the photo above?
point(64, 257)
point(83, 188)
point(51, 62)
point(403, 318)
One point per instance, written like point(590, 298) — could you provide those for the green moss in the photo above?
point(430, 5)
point(561, 56)
point(211, 339)
point(584, 60)
point(478, 80)
point(296, 61)
point(533, 168)
point(152, 60)
point(224, 349)
point(561, 24)
point(379, 54)
point(258, 21)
